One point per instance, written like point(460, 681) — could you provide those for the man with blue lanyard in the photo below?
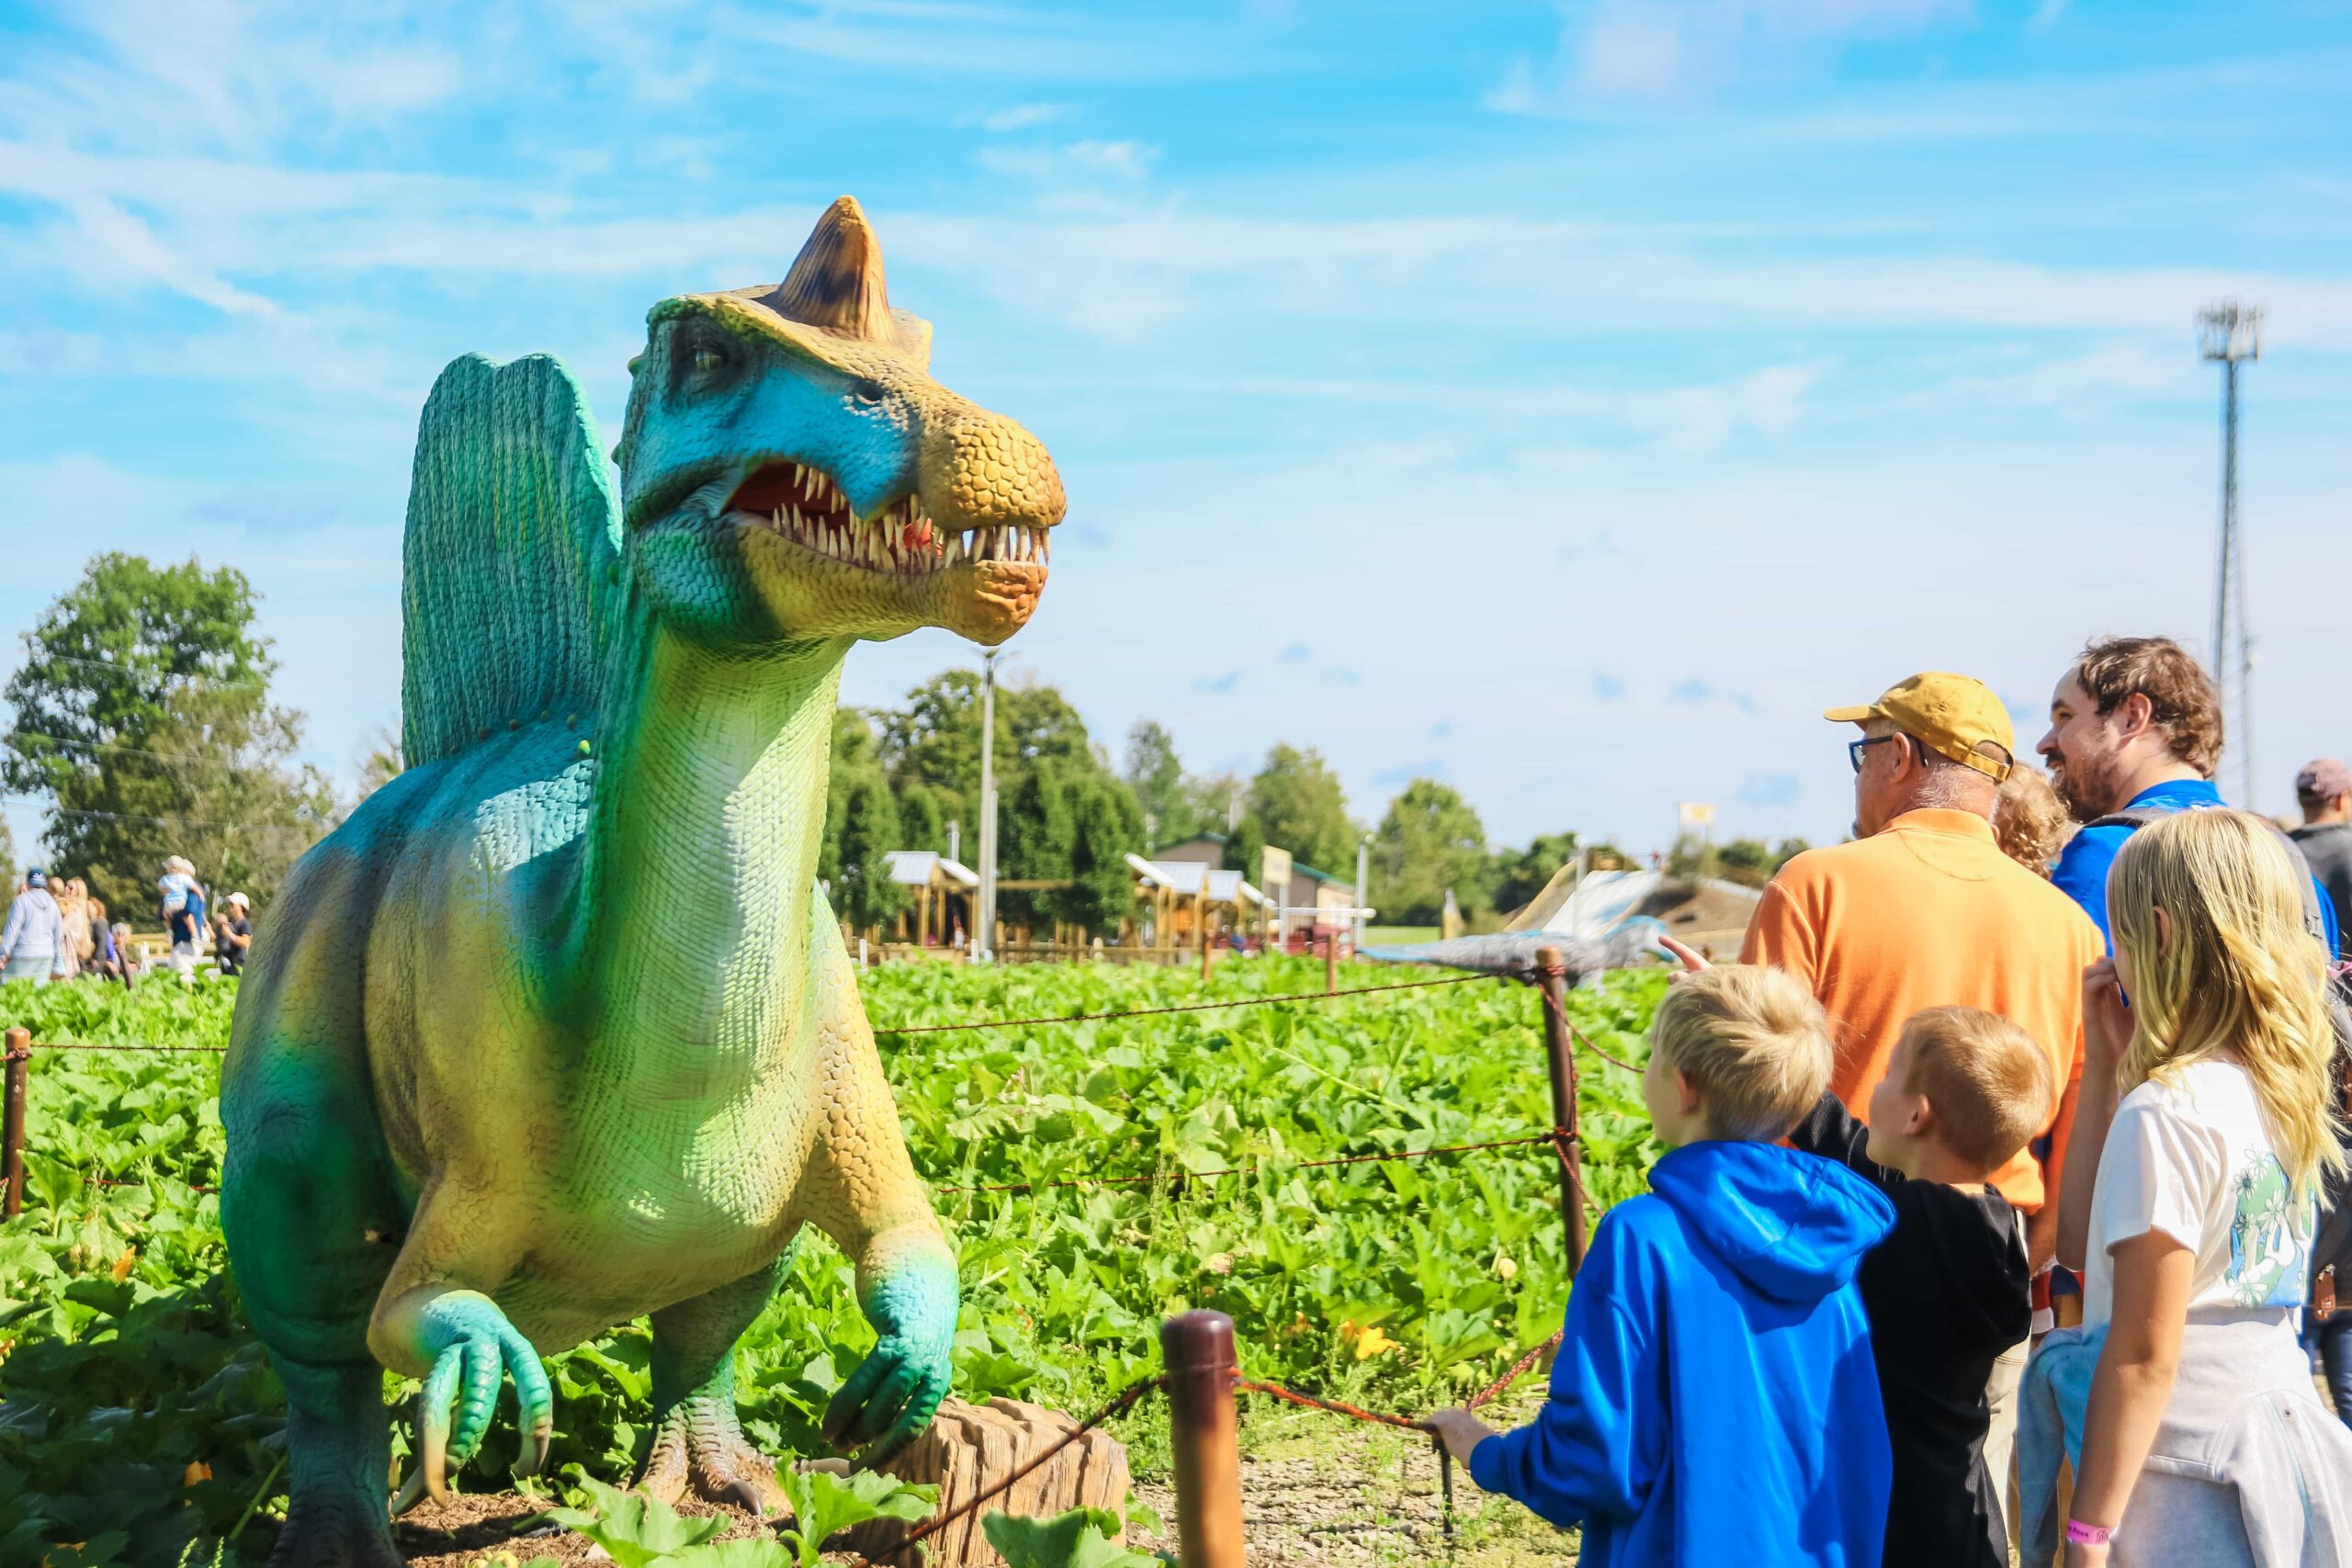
point(2135, 733)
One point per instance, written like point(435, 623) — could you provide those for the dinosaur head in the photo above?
point(790, 469)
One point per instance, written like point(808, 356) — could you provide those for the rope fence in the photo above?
point(1202, 1338)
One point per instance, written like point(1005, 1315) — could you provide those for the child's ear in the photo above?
point(1919, 1118)
point(1688, 1098)
point(2164, 930)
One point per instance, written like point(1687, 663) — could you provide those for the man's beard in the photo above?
point(2088, 792)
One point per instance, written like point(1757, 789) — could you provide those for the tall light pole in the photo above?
point(984, 938)
point(1364, 885)
point(2231, 335)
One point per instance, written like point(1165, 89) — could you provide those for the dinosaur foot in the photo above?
point(702, 1450)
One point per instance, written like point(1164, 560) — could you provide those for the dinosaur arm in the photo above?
point(862, 1190)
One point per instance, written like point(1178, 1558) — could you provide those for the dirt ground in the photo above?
point(1317, 1492)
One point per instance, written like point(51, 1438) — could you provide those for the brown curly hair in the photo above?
point(2029, 819)
point(2181, 695)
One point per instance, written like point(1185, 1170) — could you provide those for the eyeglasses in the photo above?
point(1854, 749)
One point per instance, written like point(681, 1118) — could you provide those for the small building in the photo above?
point(1177, 896)
point(1314, 906)
point(944, 893)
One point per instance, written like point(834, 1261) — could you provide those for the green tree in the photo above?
point(1172, 811)
point(383, 762)
point(1106, 825)
point(1034, 843)
point(1430, 840)
point(1748, 862)
point(921, 818)
point(1245, 848)
point(935, 740)
point(8, 859)
point(1788, 850)
point(1301, 807)
point(1212, 803)
point(1520, 875)
point(863, 894)
point(142, 714)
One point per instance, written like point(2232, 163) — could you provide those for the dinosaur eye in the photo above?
point(866, 392)
point(708, 359)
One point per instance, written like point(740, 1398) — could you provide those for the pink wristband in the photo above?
point(2081, 1534)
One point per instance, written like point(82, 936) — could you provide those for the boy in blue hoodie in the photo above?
point(1714, 1400)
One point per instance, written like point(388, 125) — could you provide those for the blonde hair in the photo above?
point(2238, 971)
point(2029, 821)
point(1755, 1043)
point(1992, 1085)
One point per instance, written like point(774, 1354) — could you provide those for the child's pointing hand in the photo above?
point(1460, 1431)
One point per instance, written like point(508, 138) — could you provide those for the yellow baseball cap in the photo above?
point(1951, 713)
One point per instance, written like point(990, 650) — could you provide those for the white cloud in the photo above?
point(1022, 116)
point(1675, 50)
point(1072, 161)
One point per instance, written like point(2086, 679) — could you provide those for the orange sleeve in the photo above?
point(1779, 934)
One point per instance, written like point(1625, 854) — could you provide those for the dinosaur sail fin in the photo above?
point(509, 585)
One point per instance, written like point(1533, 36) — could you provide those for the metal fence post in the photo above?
point(1552, 976)
point(12, 1163)
point(1197, 1347)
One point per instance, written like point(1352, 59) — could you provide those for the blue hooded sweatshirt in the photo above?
point(1714, 1400)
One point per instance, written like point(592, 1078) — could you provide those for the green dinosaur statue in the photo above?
point(557, 1030)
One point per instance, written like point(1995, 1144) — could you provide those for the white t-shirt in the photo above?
point(2194, 1159)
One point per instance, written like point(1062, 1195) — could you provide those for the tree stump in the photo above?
point(971, 1448)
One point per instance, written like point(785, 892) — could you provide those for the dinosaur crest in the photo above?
point(511, 559)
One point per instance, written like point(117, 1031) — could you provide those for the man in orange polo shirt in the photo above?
point(1922, 910)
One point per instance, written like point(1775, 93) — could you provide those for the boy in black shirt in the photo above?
point(1948, 1290)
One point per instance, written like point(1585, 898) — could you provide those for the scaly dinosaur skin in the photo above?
point(557, 1030)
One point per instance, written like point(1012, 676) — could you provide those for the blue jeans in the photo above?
point(2334, 1334)
point(36, 968)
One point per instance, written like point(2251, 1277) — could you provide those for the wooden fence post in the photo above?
point(12, 1124)
point(1552, 976)
point(1197, 1347)
point(1331, 964)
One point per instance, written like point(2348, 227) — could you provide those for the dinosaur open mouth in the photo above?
point(807, 507)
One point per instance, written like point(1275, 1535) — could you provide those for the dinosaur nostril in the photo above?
point(988, 472)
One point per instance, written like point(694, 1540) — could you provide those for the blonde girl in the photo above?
point(2202, 1441)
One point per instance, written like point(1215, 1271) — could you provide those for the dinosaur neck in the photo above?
point(702, 865)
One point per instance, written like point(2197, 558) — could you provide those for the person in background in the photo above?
point(183, 910)
point(73, 913)
point(2029, 822)
point(1922, 910)
point(32, 945)
point(2202, 1440)
point(2135, 734)
point(99, 928)
point(2324, 792)
point(112, 960)
point(233, 935)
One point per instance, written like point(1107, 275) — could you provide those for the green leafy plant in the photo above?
point(1083, 1537)
point(824, 1504)
point(638, 1530)
point(134, 1398)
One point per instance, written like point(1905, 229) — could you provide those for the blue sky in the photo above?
point(1566, 401)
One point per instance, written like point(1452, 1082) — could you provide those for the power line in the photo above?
point(113, 746)
point(119, 666)
point(318, 828)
